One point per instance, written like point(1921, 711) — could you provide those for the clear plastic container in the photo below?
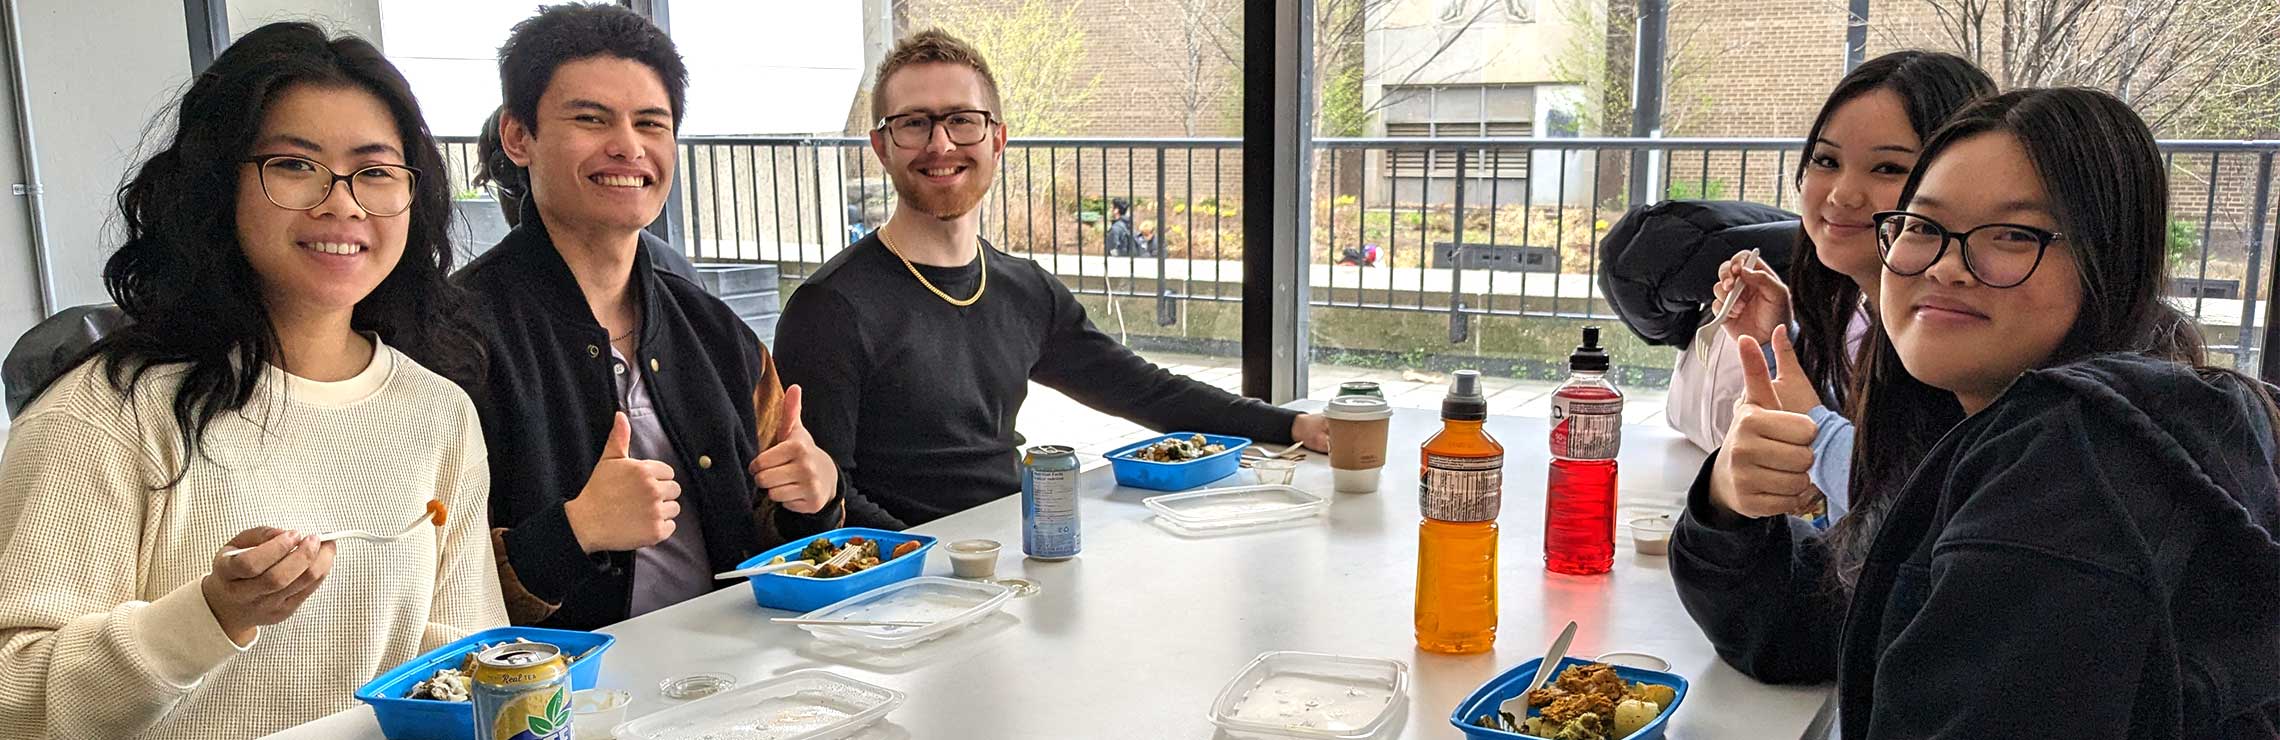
point(695, 686)
point(1651, 535)
point(598, 712)
point(1311, 695)
point(1224, 508)
point(1274, 471)
point(800, 705)
point(973, 559)
point(945, 604)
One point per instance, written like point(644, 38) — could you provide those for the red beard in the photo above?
point(945, 203)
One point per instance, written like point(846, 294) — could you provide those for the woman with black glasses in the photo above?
point(163, 569)
point(2090, 552)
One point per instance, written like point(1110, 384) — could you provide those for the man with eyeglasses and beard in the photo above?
point(916, 345)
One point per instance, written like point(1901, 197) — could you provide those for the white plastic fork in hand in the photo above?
point(1725, 311)
point(358, 534)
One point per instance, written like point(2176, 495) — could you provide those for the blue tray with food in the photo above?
point(426, 698)
point(880, 558)
point(1584, 701)
point(1177, 462)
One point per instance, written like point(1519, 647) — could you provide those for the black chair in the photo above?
point(51, 348)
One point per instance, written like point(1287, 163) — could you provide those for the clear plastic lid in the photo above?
point(795, 706)
point(1221, 508)
point(1312, 695)
point(943, 604)
point(695, 686)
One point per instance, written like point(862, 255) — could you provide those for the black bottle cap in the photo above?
point(1589, 357)
point(1465, 402)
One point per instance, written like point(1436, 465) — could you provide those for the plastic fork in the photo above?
point(1725, 311)
point(357, 534)
point(846, 555)
point(1516, 708)
point(761, 569)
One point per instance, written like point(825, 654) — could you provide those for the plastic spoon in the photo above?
point(1516, 707)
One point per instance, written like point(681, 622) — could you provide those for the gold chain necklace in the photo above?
point(979, 253)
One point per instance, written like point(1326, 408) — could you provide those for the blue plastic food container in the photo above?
point(1489, 695)
point(1159, 476)
point(403, 718)
point(804, 594)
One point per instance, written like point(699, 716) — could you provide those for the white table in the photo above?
point(1135, 637)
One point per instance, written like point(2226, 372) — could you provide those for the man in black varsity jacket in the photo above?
point(639, 438)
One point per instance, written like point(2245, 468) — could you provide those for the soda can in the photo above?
point(1049, 524)
point(521, 691)
point(1360, 388)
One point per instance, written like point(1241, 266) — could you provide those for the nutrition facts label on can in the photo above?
point(1462, 489)
point(1053, 526)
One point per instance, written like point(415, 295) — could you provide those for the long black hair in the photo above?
point(1932, 86)
point(183, 277)
point(2109, 192)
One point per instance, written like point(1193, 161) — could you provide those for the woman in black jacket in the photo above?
point(2090, 553)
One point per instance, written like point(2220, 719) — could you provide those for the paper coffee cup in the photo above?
point(1358, 426)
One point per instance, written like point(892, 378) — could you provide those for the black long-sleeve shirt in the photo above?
point(916, 398)
point(2092, 556)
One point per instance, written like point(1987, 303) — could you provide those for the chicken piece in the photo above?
point(1597, 679)
point(1568, 708)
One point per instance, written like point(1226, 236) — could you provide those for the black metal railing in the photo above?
point(1469, 227)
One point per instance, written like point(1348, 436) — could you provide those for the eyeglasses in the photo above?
point(914, 130)
point(1997, 255)
point(301, 184)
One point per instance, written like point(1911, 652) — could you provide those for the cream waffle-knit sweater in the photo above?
point(104, 632)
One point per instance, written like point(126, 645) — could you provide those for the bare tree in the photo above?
point(2169, 58)
point(1602, 63)
point(1037, 53)
point(1340, 30)
point(1201, 39)
point(1338, 44)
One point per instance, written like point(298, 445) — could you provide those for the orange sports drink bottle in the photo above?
point(1460, 491)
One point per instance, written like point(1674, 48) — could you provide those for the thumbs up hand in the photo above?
point(1762, 471)
point(628, 503)
point(794, 471)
